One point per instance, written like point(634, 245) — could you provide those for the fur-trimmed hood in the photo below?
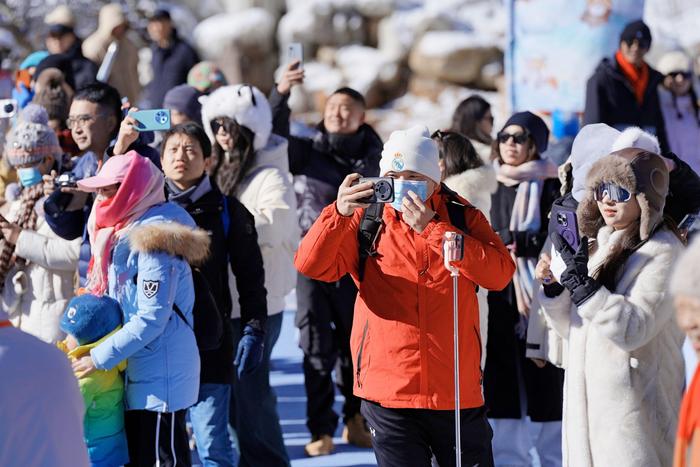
point(476, 186)
point(642, 173)
point(172, 238)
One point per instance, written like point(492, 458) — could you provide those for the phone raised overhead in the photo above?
point(295, 53)
point(152, 120)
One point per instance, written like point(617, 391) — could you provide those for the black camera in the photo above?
point(66, 180)
point(383, 190)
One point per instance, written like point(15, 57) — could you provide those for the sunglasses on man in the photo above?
point(614, 193)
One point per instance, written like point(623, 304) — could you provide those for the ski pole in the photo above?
point(453, 250)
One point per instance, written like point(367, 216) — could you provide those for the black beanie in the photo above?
point(60, 61)
point(534, 125)
point(636, 30)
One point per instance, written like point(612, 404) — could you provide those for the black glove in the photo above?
point(575, 277)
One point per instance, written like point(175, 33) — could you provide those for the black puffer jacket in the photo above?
point(241, 252)
point(318, 167)
point(610, 99)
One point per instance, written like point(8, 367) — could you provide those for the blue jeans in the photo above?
point(257, 425)
point(209, 417)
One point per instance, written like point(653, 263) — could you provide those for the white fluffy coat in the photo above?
point(36, 294)
point(477, 186)
point(624, 375)
point(267, 192)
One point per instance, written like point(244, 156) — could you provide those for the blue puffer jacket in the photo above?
point(148, 275)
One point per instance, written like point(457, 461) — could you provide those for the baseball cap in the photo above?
point(113, 171)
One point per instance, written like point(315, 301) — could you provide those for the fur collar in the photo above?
point(474, 183)
point(171, 238)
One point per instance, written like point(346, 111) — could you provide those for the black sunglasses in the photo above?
point(216, 124)
point(675, 74)
point(518, 138)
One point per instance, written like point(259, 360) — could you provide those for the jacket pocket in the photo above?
point(360, 351)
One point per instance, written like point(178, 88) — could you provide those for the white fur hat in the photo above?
point(674, 61)
point(597, 140)
point(245, 104)
point(685, 278)
point(411, 149)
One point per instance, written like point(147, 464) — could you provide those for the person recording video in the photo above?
point(401, 337)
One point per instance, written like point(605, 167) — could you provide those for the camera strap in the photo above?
point(371, 225)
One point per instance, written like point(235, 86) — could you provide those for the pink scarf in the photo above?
point(526, 217)
point(540, 169)
point(142, 188)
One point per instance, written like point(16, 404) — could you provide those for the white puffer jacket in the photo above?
point(477, 186)
point(36, 294)
point(267, 192)
point(624, 375)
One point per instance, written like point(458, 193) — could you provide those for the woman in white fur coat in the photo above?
point(464, 172)
point(624, 375)
point(250, 163)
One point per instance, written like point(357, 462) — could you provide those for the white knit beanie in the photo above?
point(685, 278)
point(245, 104)
point(411, 149)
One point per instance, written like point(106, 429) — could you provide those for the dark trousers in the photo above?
point(402, 437)
point(324, 318)
point(254, 406)
point(146, 429)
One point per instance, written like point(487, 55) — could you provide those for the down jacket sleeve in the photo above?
point(486, 260)
point(49, 253)
point(152, 313)
point(329, 250)
point(632, 319)
point(247, 265)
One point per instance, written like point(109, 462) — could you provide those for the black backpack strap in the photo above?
point(177, 310)
point(456, 208)
point(370, 227)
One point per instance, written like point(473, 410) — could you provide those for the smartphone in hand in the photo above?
point(295, 52)
point(152, 120)
point(564, 221)
point(383, 190)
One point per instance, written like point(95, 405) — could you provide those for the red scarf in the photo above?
point(637, 77)
point(688, 423)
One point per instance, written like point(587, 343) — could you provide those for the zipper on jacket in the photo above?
point(481, 371)
point(359, 353)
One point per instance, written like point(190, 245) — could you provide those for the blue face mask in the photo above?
point(402, 187)
point(29, 176)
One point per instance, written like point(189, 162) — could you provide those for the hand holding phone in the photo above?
point(151, 120)
point(383, 190)
point(295, 53)
point(563, 220)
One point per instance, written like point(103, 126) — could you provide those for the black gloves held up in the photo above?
point(575, 277)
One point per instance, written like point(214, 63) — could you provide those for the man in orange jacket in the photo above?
point(402, 330)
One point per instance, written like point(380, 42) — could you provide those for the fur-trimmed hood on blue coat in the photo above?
point(148, 274)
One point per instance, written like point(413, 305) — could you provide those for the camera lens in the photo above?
point(561, 220)
point(382, 188)
point(8, 108)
